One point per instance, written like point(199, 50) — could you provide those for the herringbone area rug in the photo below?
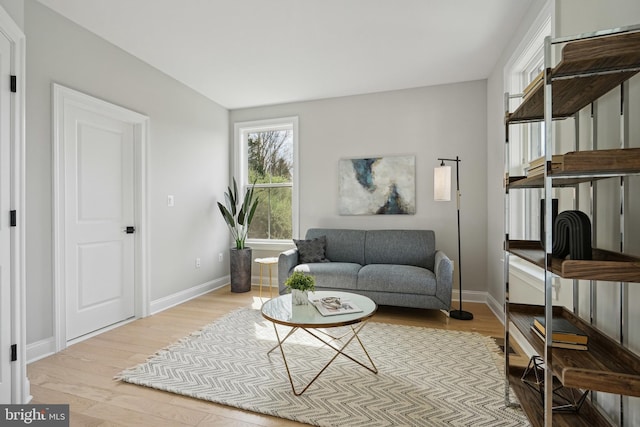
point(427, 377)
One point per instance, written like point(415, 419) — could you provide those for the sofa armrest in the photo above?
point(444, 277)
point(286, 261)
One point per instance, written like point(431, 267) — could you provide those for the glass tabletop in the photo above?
point(281, 310)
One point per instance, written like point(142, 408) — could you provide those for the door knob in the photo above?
point(130, 230)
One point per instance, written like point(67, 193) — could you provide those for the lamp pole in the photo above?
point(459, 314)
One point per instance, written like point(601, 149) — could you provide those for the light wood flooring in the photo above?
point(82, 375)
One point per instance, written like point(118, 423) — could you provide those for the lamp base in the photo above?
point(461, 315)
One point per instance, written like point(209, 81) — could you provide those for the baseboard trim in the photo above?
point(169, 301)
point(255, 282)
point(469, 296)
point(40, 349)
point(47, 347)
point(495, 307)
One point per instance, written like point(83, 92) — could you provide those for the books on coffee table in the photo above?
point(331, 306)
point(564, 333)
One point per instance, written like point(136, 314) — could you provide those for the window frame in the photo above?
point(517, 74)
point(532, 135)
point(241, 172)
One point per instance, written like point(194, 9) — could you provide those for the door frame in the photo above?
point(20, 392)
point(62, 95)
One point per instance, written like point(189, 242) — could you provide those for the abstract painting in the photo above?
point(377, 186)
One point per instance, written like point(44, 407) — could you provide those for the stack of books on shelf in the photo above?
point(536, 167)
point(564, 333)
point(509, 179)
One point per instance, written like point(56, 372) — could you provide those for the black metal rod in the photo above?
point(458, 314)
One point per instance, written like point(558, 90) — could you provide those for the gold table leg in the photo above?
point(260, 281)
point(338, 350)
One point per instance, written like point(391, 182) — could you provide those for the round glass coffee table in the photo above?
point(359, 309)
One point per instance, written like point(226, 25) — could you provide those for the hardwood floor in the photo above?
point(82, 375)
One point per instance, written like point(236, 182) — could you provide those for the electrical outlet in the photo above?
point(220, 257)
point(197, 262)
point(170, 201)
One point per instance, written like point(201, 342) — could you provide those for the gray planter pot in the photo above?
point(240, 260)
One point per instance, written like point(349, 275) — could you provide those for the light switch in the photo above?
point(170, 201)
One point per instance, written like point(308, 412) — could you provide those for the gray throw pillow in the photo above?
point(311, 250)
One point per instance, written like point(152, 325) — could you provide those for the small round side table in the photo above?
point(268, 262)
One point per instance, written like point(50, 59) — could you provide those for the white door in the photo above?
point(5, 233)
point(99, 206)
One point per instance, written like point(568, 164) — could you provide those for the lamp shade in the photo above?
point(442, 184)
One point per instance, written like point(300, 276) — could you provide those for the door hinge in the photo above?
point(14, 352)
point(13, 218)
point(14, 84)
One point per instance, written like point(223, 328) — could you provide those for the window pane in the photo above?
point(270, 156)
point(272, 219)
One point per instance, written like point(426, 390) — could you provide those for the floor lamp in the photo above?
point(442, 192)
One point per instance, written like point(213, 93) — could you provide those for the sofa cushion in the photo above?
point(342, 245)
point(342, 275)
point(405, 247)
point(311, 250)
point(406, 279)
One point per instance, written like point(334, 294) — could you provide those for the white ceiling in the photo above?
point(243, 53)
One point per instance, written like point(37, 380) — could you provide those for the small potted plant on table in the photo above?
point(300, 285)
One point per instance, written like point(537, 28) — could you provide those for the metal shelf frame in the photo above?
point(549, 140)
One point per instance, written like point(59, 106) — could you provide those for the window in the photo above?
point(532, 136)
point(267, 156)
point(526, 142)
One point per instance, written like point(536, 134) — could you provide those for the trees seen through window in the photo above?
point(270, 166)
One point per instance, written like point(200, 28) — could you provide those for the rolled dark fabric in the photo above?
point(572, 235)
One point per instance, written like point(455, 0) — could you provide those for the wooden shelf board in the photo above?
point(606, 366)
point(618, 161)
point(531, 404)
point(605, 265)
point(612, 54)
point(569, 96)
point(538, 182)
point(596, 164)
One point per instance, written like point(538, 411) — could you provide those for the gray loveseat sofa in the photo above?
point(392, 267)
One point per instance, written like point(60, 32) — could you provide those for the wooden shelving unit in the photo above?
point(590, 66)
point(600, 65)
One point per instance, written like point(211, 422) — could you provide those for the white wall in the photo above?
point(428, 122)
point(15, 8)
point(188, 157)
